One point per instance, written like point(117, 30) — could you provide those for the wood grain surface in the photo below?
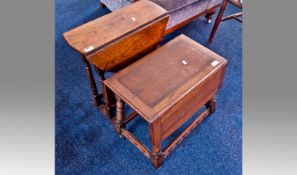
point(161, 79)
point(112, 26)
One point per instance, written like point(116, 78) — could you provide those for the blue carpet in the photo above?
point(86, 142)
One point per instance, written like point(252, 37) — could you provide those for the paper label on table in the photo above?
point(89, 48)
point(214, 63)
point(184, 62)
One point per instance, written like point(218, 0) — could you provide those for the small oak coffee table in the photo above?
point(166, 88)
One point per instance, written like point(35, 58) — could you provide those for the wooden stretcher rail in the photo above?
point(130, 117)
point(234, 16)
point(186, 132)
point(136, 142)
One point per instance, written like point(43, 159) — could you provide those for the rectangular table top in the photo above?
point(102, 31)
point(159, 80)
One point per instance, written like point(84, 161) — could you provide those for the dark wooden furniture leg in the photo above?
point(102, 5)
point(209, 14)
point(96, 96)
point(118, 122)
point(211, 105)
point(108, 97)
point(217, 22)
point(156, 156)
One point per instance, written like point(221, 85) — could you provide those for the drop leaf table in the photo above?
point(166, 88)
point(116, 40)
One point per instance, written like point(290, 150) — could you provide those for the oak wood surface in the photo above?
point(188, 106)
point(208, 12)
point(158, 81)
point(116, 40)
point(126, 50)
point(166, 88)
point(113, 26)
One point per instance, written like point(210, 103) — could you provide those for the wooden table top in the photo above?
point(159, 80)
point(102, 31)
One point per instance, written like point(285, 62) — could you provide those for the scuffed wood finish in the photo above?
point(119, 38)
point(180, 113)
point(125, 50)
point(159, 80)
point(166, 88)
point(109, 28)
point(208, 14)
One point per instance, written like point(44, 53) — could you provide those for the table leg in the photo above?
point(107, 95)
point(96, 97)
point(209, 14)
point(101, 4)
point(119, 115)
point(217, 22)
point(157, 156)
point(211, 105)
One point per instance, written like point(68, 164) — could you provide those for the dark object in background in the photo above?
point(181, 11)
point(220, 18)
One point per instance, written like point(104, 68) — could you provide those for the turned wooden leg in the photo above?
point(96, 97)
point(211, 105)
point(157, 157)
point(108, 96)
point(217, 22)
point(102, 5)
point(208, 15)
point(119, 115)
